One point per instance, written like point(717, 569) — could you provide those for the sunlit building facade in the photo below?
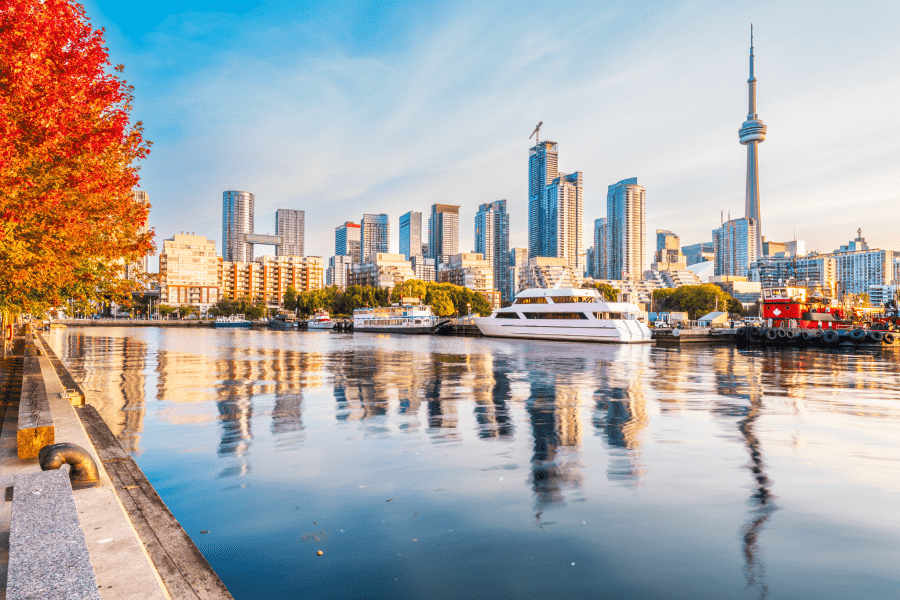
point(543, 168)
point(375, 235)
point(626, 231)
point(411, 234)
point(347, 240)
point(268, 277)
point(189, 271)
point(290, 225)
point(443, 232)
point(382, 270)
point(735, 247)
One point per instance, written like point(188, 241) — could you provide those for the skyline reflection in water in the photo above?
point(459, 467)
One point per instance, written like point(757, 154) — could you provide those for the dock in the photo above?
point(694, 335)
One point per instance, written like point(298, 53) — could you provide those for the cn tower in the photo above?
point(752, 132)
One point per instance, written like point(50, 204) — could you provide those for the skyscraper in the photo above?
point(626, 244)
point(443, 232)
point(598, 269)
point(735, 247)
point(374, 235)
point(563, 220)
point(289, 224)
point(411, 234)
point(346, 240)
point(237, 220)
point(492, 241)
point(751, 133)
point(543, 168)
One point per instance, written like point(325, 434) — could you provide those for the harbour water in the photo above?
point(432, 467)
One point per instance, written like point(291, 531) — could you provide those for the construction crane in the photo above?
point(537, 130)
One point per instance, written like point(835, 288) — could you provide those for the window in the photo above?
point(530, 301)
point(506, 315)
point(555, 315)
point(568, 299)
point(609, 315)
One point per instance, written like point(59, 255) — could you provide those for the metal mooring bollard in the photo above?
point(83, 470)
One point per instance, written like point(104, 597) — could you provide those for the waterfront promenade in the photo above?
point(136, 549)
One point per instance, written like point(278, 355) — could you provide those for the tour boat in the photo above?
point(232, 322)
point(321, 320)
point(408, 316)
point(566, 314)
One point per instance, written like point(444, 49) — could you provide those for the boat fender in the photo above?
point(831, 336)
point(676, 332)
point(857, 335)
point(889, 338)
point(771, 334)
point(742, 331)
point(781, 333)
point(876, 336)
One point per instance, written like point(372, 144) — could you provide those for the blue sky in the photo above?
point(345, 108)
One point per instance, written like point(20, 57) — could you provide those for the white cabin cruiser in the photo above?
point(566, 314)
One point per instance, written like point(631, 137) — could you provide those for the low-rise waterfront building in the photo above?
point(267, 277)
point(383, 270)
point(188, 271)
point(423, 267)
point(473, 271)
point(745, 292)
point(546, 271)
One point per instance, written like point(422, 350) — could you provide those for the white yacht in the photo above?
point(321, 320)
point(566, 314)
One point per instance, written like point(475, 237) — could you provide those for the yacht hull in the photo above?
point(622, 332)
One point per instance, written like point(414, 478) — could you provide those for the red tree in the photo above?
point(68, 220)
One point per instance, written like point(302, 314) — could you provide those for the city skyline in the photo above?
point(826, 102)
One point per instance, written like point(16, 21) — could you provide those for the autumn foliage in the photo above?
point(68, 220)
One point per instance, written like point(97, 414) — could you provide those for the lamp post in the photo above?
point(469, 308)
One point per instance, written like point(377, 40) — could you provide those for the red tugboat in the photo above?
point(788, 307)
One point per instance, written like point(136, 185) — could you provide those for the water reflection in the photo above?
point(441, 426)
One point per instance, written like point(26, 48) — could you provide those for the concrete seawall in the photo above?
point(137, 548)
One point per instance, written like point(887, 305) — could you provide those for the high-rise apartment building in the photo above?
point(626, 245)
point(443, 232)
point(289, 224)
point(411, 234)
point(347, 240)
point(751, 134)
point(374, 235)
point(563, 220)
point(518, 257)
point(599, 262)
point(189, 271)
point(543, 168)
point(735, 247)
point(492, 242)
point(237, 221)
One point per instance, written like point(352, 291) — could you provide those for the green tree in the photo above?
point(165, 310)
point(441, 302)
point(290, 298)
point(608, 292)
point(698, 300)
